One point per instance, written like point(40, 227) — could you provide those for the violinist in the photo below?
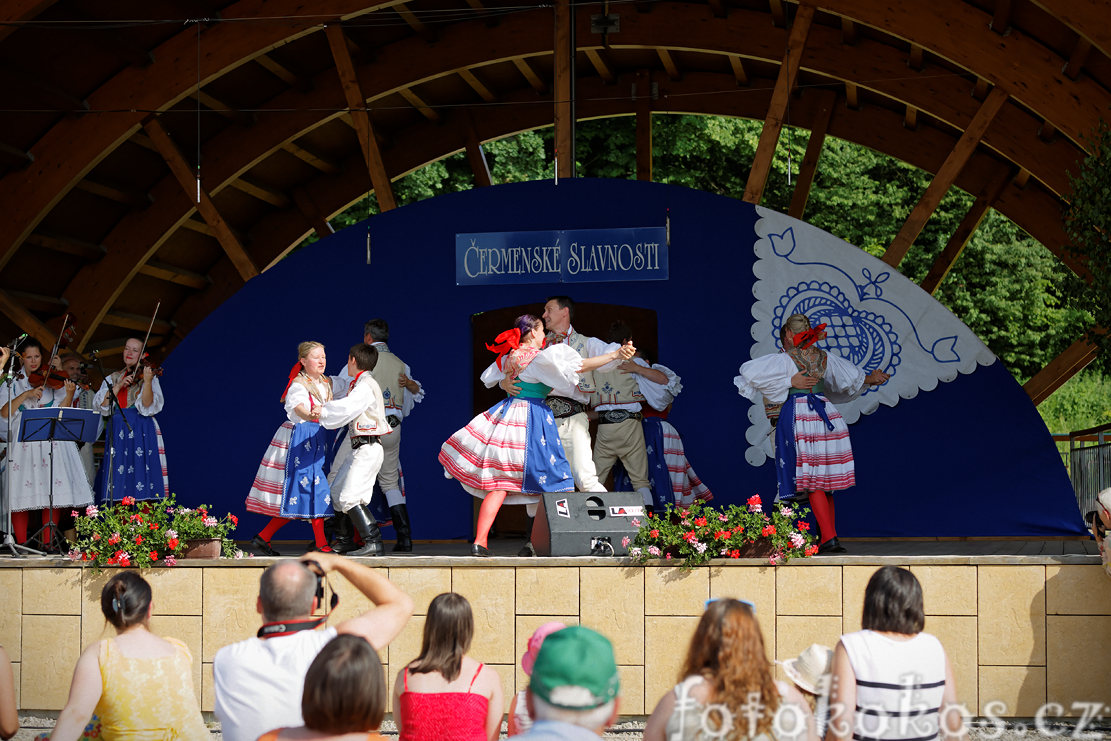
point(74, 370)
point(30, 462)
point(137, 456)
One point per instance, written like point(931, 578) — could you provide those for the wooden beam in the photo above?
point(476, 157)
point(19, 158)
point(1078, 57)
point(809, 166)
point(25, 320)
point(668, 62)
point(643, 95)
point(980, 90)
point(224, 110)
point(1089, 18)
point(852, 95)
point(910, 118)
point(185, 177)
point(356, 102)
point(50, 305)
point(944, 177)
point(114, 345)
point(564, 56)
point(848, 31)
point(174, 274)
point(266, 195)
point(132, 197)
point(738, 68)
point(414, 100)
point(477, 85)
point(529, 74)
point(306, 204)
point(137, 322)
point(717, 7)
point(600, 66)
point(276, 69)
point(1047, 131)
point(773, 123)
point(310, 158)
point(410, 18)
point(964, 231)
point(1001, 17)
point(42, 90)
point(87, 251)
point(777, 11)
point(1061, 368)
point(914, 61)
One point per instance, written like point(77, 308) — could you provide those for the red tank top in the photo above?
point(443, 716)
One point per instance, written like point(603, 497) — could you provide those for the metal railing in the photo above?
point(1089, 463)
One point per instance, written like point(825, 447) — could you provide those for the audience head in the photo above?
point(448, 630)
point(528, 658)
point(345, 688)
point(810, 670)
point(365, 356)
point(376, 330)
point(1103, 507)
point(125, 600)
point(574, 679)
point(286, 591)
point(893, 602)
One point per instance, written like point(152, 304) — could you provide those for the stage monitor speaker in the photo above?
point(586, 523)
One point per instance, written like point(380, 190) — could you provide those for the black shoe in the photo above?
point(833, 545)
point(344, 540)
point(479, 550)
point(527, 551)
point(400, 514)
point(262, 548)
point(368, 529)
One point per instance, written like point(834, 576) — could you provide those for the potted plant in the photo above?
point(699, 533)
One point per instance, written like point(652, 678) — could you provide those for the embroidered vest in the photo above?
point(615, 387)
point(577, 342)
point(372, 420)
point(385, 372)
point(319, 393)
point(812, 364)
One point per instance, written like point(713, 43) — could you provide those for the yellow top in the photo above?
point(148, 699)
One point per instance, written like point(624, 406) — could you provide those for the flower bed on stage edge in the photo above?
point(700, 533)
point(143, 533)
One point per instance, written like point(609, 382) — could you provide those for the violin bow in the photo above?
point(143, 351)
point(54, 353)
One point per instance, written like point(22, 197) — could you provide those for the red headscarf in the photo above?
point(292, 374)
point(508, 340)
point(808, 337)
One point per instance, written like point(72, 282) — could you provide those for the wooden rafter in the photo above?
point(738, 68)
point(87, 251)
point(809, 166)
point(181, 170)
point(1001, 17)
point(669, 64)
point(410, 18)
point(356, 102)
point(25, 320)
point(964, 231)
point(310, 158)
point(176, 275)
point(267, 63)
point(137, 322)
point(852, 95)
point(848, 31)
point(18, 157)
point(414, 100)
point(1089, 19)
point(777, 11)
point(1060, 369)
point(945, 176)
point(600, 65)
point(915, 60)
point(477, 85)
point(564, 105)
point(1078, 57)
point(267, 195)
point(220, 108)
point(529, 74)
point(643, 95)
point(306, 204)
point(910, 118)
point(49, 93)
point(50, 305)
point(718, 8)
point(132, 197)
point(475, 156)
point(773, 123)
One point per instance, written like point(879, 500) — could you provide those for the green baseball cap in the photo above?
point(575, 669)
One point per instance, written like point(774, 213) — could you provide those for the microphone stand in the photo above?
point(9, 544)
point(114, 405)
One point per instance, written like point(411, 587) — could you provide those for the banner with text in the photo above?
point(562, 256)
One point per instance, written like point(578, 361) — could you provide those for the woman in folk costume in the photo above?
point(511, 453)
point(813, 455)
point(30, 462)
point(134, 450)
point(290, 483)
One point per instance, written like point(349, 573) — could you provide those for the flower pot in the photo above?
point(203, 548)
point(757, 549)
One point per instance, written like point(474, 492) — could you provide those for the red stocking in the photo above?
point(318, 534)
point(272, 527)
point(19, 525)
point(51, 515)
point(486, 514)
point(822, 505)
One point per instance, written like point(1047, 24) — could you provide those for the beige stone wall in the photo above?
point(1021, 634)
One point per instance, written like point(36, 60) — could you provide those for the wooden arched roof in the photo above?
point(291, 111)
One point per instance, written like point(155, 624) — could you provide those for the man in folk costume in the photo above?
point(617, 398)
point(363, 412)
point(813, 455)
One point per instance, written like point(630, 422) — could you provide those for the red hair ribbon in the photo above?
point(808, 337)
point(508, 340)
point(292, 374)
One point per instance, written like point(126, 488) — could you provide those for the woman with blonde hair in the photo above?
point(293, 486)
point(139, 685)
point(726, 688)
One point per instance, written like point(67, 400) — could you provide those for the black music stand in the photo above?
point(57, 424)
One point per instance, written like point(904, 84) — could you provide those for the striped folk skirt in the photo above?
point(290, 481)
point(812, 448)
point(672, 477)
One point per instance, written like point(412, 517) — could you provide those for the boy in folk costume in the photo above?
point(364, 413)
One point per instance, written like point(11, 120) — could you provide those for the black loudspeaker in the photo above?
point(586, 523)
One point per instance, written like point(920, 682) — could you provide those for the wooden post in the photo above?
point(1062, 368)
point(475, 156)
point(564, 52)
point(809, 166)
point(644, 124)
point(769, 137)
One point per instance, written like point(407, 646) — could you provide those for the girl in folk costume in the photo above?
point(514, 446)
point(813, 455)
point(30, 462)
point(290, 483)
point(135, 450)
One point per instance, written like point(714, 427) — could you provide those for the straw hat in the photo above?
point(810, 671)
point(529, 657)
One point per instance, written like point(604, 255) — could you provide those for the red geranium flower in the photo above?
point(153, 555)
point(734, 553)
point(172, 543)
point(127, 501)
point(804, 525)
point(138, 540)
point(700, 521)
point(234, 519)
point(654, 533)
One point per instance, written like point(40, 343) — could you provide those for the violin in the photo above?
point(56, 379)
point(145, 362)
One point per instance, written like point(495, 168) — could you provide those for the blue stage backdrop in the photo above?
point(953, 447)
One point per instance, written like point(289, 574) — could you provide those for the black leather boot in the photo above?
point(368, 529)
point(344, 540)
point(400, 515)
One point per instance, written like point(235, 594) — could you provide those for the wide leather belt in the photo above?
point(563, 407)
point(394, 420)
point(360, 440)
point(613, 416)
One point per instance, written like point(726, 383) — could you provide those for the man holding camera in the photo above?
point(1099, 521)
point(259, 681)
